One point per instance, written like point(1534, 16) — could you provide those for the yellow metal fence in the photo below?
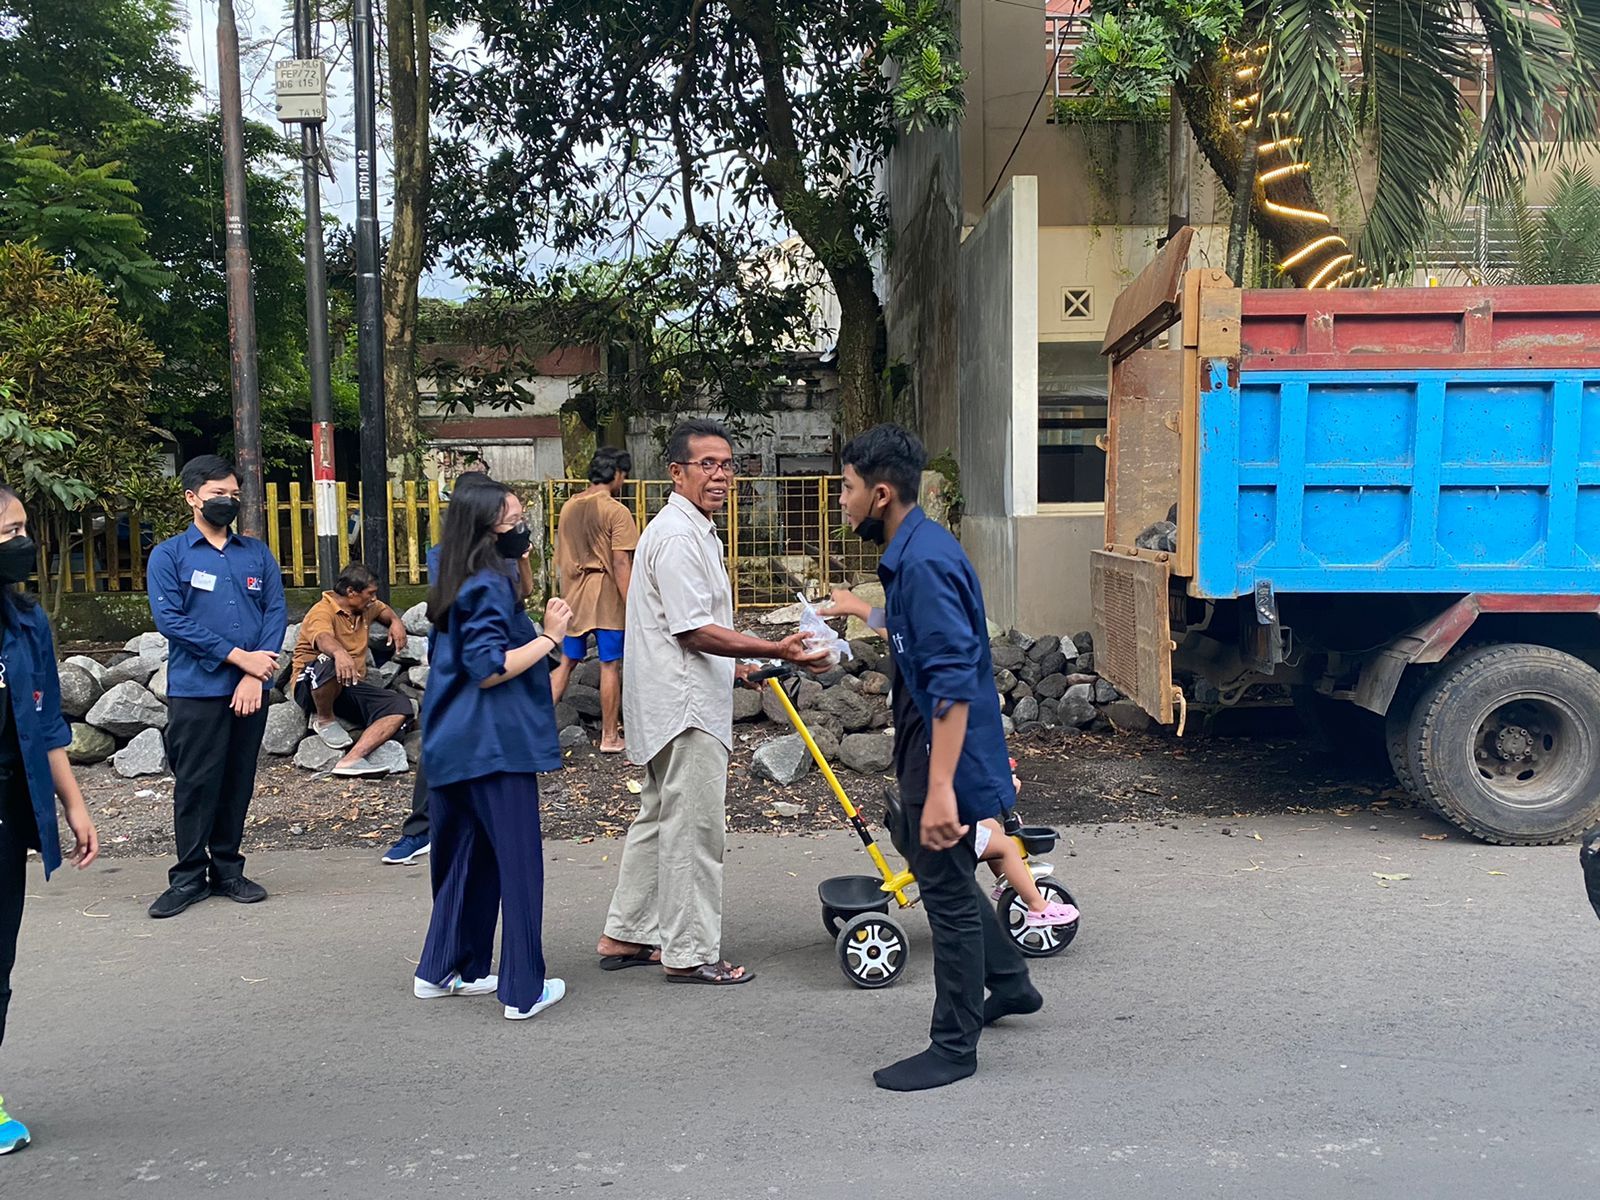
point(783, 535)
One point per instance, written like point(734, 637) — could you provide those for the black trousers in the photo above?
point(417, 823)
point(970, 950)
point(213, 756)
point(17, 836)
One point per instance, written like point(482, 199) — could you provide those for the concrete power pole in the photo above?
point(369, 308)
point(241, 292)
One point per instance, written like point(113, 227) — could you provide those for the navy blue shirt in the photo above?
point(939, 635)
point(208, 603)
point(28, 654)
point(469, 731)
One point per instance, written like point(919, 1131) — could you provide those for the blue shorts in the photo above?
point(608, 640)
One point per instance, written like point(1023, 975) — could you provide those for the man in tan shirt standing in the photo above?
point(595, 538)
point(667, 909)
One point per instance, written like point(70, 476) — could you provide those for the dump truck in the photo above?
point(1387, 499)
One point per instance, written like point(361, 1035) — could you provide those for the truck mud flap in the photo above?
point(1133, 635)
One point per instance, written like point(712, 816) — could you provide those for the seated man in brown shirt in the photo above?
point(595, 539)
point(330, 670)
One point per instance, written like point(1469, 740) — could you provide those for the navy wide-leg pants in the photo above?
point(487, 861)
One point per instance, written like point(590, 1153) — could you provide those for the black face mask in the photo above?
point(18, 558)
point(514, 542)
point(872, 530)
point(220, 511)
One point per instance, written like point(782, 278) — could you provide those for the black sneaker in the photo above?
point(239, 889)
point(175, 900)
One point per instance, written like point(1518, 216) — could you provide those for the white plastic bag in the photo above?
point(820, 635)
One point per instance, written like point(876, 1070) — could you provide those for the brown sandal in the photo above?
point(716, 974)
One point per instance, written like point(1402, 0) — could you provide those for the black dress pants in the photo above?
point(417, 823)
point(18, 834)
point(970, 950)
point(213, 757)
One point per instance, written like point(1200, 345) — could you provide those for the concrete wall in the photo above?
point(999, 380)
point(1053, 570)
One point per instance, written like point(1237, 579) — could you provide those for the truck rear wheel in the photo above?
point(1505, 742)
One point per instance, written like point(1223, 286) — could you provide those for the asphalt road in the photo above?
point(1238, 1017)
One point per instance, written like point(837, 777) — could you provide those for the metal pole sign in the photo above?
point(302, 89)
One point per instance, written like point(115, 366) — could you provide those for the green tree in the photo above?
point(699, 132)
point(1334, 84)
point(1560, 242)
point(73, 365)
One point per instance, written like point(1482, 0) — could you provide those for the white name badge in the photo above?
point(203, 580)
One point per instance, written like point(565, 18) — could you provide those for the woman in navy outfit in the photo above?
point(488, 727)
point(33, 757)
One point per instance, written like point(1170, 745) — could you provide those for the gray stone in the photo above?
point(385, 675)
point(1025, 711)
point(79, 690)
point(97, 670)
point(874, 683)
point(1078, 677)
point(853, 711)
point(1004, 681)
point(1075, 710)
point(89, 745)
point(786, 808)
point(1022, 641)
point(413, 747)
point(809, 693)
point(291, 638)
point(587, 674)
point(1053, 663)
point(870, 590)
point(566, 715)
point(415, 620)
point(773, 707)
point(1043, 647)
point(418, 677)
point(787, 615)
point(1080, 692)
point(817, 722)
point(1006, 726)
point(286, 727)
point(851, 683)
point(1071, 648)
point(831, 678)
point(1049, 711)
point(316, 755)
point(574, 736)
point(128, 709)
point(827, 741)
point(1007, 657)
point(391, 756)
point(747, 703)
point(1085, 661)
point(145, 755)
point(867, 753)
point(1030, 673)
point(150, 645)
point(415, 651)
point(1129, 717)
point(881, 719)
point(869, 651)
point(783, 760)
point(585, 699)
point(1021, 692)
point(1104, 693)
point(855, 630)
point(1084, 642)
point(137, 670)
point(158, 684)
point(1051, 687)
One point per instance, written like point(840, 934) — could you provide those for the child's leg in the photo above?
point(1005, 859)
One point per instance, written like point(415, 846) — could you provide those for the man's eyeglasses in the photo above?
point(711, 466)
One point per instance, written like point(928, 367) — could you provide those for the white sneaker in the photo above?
point(554, 990)
point(454, 986)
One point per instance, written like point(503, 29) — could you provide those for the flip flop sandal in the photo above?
point(639, 958)
point(715, 974)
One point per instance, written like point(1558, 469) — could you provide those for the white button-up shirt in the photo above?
point(679, 583)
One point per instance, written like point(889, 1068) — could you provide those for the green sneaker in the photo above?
point(13, 1133)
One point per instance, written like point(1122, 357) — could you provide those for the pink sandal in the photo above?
point(1054, 914)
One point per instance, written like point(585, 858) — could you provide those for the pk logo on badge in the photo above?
point(252, 583)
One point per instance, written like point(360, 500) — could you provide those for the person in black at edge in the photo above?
point(33, 758)
point(1589, 856)
point(951, 761)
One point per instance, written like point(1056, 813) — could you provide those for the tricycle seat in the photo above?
point(848, 895)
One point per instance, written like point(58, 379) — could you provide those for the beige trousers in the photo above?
point(669, 886)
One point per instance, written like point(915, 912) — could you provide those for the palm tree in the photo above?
point(1559, 243)
point(1373, 88)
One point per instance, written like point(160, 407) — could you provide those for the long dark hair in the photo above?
point(468, 544)
point(13, 600)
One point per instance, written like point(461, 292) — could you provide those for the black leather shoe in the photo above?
point(239, 889)
point(175, 900)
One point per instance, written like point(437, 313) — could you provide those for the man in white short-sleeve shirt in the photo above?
point(678, 679)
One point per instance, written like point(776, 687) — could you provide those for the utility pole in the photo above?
point(325, 489)
point(241, 292)
point(369, 308)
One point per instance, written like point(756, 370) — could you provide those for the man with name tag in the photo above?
point(218, 599)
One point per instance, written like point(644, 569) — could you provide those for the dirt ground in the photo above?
point(1069, 778)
